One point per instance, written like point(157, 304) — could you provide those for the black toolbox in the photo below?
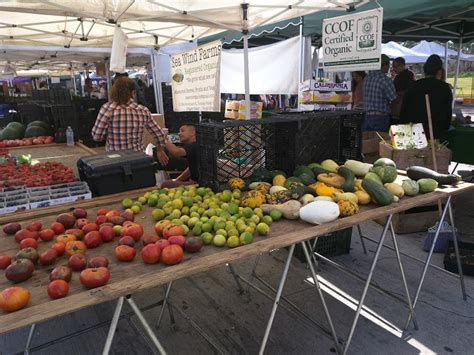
point(117, 171)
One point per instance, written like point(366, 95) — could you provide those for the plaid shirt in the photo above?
point(124, 125)
point(379, 92)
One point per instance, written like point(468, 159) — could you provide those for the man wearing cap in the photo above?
point(379, 93)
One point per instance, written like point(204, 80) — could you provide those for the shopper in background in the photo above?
point(88, 87)
point(121, 122)
point(357, 90)
point(189, 150)
point(403, 80)
point(440, 95)
point(379, 93)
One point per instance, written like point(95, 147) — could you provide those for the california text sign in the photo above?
point(353, 42)
point(195, 79)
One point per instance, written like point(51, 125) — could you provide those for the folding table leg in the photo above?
point(402, 272)
point(113, 326)
point(30, 339)
point(165, 304)
point(236, 278)
point(428, 259)
point(321, 296)
point(277, 299)
point(367, 284)
point(456, 250)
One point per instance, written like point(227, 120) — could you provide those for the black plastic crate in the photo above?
point(234, 148)
point(308, 137)
point(30, 112)
point(332, 244)
point(117, 171)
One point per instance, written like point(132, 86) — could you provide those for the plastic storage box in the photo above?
point(118, 171)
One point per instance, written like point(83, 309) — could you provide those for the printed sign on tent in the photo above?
point(353, 42)
point(195, 79)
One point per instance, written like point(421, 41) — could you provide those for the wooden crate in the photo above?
point(414, 220)
point(419, 157)
point(370, 142)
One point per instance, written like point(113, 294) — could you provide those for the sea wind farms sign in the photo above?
point(353, 42)
point(195, 79)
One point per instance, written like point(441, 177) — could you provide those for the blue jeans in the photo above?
point(380, 123)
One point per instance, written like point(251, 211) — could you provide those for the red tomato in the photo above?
point(94, 277)
point(125, 253)
point(29, 242)
point(172, 254)
point(58, 289)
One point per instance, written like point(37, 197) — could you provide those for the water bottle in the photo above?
point(69, 136)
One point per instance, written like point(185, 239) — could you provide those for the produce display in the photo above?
point(16, 134)
point(14, 173)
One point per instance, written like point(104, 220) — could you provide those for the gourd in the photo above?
point(323, 190)
point(330, 165)
point(254, 185)
point(305, 199)
point(418, 172)
point(377, 192)
point(346, 196)
point(279, 180)
point(252, 199)
point(323, 198)
point(299, 191)
point(307, 179)
point(278, 197)
point(427, 185)
point(302, 169)
point(363, 197)
point(385, 173)
point(319, 212)
point(293, 182)
point(289, 209)
point(357, 167)
point(332, 179)
point(347, 208)
point(349, 178)
point(385, 162)
point(319, 170)
point(358, 185)
point(410, 187)
point(277, 188)
point(395, 189)
point(373, 177)
point(236, 183)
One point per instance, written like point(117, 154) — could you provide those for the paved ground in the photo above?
point(235, 323)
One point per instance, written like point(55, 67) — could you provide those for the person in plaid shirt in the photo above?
point(379, 93)
point(122, 121)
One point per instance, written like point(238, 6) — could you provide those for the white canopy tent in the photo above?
point(147, 23)
point(395, 50)
point(429, 48)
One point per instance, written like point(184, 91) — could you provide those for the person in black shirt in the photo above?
point(187, 137)
point(441, 98)
point(403, 80)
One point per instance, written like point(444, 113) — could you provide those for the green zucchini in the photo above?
point(419, 172)
point(349, 178)
point(319, 170)
point(377, 192)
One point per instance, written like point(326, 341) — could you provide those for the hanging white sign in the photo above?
point(195, 79)
point(353, 42)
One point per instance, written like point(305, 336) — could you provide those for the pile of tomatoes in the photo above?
point(26, 141)
point(42, 174)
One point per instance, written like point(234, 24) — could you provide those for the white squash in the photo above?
point(319, 212)
point(357, 167)
point(323, 198)
point(277, 188)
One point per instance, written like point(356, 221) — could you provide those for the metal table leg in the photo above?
point(456, 251)
point(30, 339)
point(236, 278)
point(277, 299)
point(141, 318)
point(166, 304)
point(400, 265)
point(447, 208)
point(359, 230)
point(367, 284)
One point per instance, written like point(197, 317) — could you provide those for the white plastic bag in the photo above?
point(118, 57)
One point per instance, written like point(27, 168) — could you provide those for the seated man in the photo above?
point(187, 136)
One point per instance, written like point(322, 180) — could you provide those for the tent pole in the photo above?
point(446, 61)
point(73, 80)
point(109, 79)
point(156, 82)
point(246, 76)
point(302, 45)
point(456, 74)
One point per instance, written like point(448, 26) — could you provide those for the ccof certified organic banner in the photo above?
point(353, 42)
point(195, 79)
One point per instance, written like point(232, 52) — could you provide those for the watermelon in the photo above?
point(10, 133)
point(40, 124)
point(17, 126)
point(35, 131)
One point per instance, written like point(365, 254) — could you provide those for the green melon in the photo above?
point(302, 169)
point(35, 131)
point(40, 124)
point(17, 126)
point(10, 133)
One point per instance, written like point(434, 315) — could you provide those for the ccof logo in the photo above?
point(367, 27)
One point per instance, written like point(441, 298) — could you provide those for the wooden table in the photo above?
point(129, 278)
point(61, 153)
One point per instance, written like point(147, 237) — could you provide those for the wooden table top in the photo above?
point(129, 278)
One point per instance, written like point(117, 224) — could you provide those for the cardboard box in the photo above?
point(419, 157)
point(325, 86)
point(147, 136)
point(371, 141)
point(236, 110)
point(326, 97)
